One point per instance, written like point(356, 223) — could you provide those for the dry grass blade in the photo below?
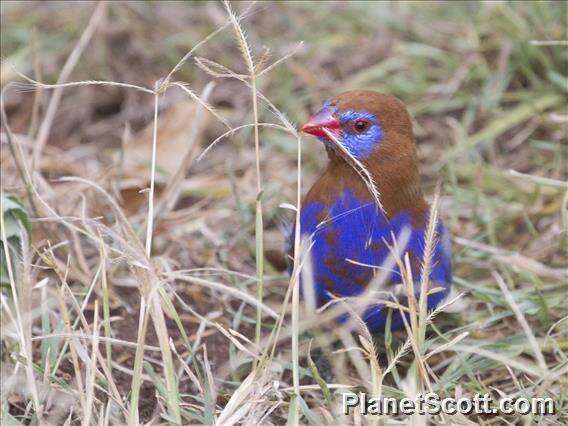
point(279, 61)
point(92, 368)
point(516, 259)
point(429, 250)
point(113, 341)
point(74, 356)
point(239, 294)
point(172, 190)
point(133, 417)
point(259, 225)
point(150, 218)
point(443, 306)
point(33, 85)
point(217, 70)
point(72, 60)
point(229, 334)
point(188, 55)
point(232, 131)
point(521, 319)
point(517, 364)
point(447, 346)
point(25, 343)
point(227, 415)
point(106, 302)
point(220, 71)
point(412, 315)
point(368, 345)
point(539, 180)
point(202, 101)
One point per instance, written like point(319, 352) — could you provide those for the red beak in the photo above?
point(324, 119)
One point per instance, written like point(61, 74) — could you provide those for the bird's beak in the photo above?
point(324, 119)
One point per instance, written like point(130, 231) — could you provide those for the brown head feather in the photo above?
point(392, 163)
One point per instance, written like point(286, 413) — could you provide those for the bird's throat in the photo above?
point(398, 183)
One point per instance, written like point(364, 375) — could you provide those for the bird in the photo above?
point(351, 233)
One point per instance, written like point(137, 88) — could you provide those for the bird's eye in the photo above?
point(360, 126)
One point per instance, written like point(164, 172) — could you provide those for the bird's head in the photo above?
point(369, 125)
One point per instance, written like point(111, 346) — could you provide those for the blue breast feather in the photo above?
point(357, 231)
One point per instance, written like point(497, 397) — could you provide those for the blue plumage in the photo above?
point(356, 233)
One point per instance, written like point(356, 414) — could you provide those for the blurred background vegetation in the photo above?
point(487, 85)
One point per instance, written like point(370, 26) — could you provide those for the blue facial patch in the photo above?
point(360, 145)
